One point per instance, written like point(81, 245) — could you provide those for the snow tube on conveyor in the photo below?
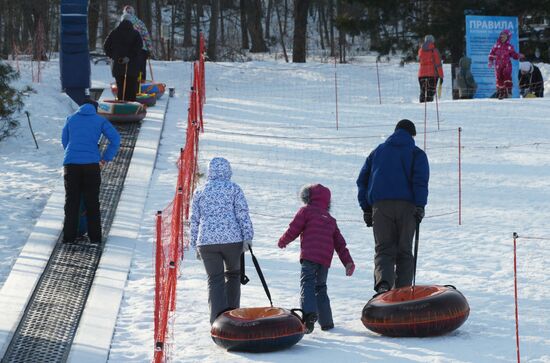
point(416, 312)
point(147, 99)
point(146, 87)
point(122, 111)
point(262, 329)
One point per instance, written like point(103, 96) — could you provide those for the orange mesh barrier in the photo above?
point(171, 239)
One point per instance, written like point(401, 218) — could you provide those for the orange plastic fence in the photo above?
point(170, 224)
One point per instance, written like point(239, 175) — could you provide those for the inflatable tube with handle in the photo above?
point(416, 312)
point(148, 87)
point(122, 111)
point(261, 329)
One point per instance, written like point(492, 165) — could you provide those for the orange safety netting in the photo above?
point(171, 223)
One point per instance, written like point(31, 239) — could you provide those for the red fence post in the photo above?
point(336, 90)
point(425, 121)
point(378, 80)
point(459, 177)
point(158, 271)
point(515, 235)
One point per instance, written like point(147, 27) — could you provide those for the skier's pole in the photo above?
point(30, 127)
point(416, 238)
point(124, 86)
point(515, 235)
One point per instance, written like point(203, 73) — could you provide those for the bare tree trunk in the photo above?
point(145, 11)
point(268, 18)
point(213, 31)
point(324, 26)
point(320, 11)
point(341, 34)
point(160, 38)
point(286, 16)
point(106, 26)
point(300, 31)
point(173, 30)
point(40, 29)
point(254, 22)
point(8, 31)
point(372, 13)
point(187, 24)
point(55, 18)
point(244, 26)
point(282, 32)
point(93, 21)
point(222, 28)
point(198, 11)
point(331, 21)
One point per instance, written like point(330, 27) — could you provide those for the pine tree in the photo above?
point(11, 100)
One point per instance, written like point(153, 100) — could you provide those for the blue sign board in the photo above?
point(482, 33)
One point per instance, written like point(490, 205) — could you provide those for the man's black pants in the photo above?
point(427, 88)
point(131, 88)
point(82, 180)
point(394, 226)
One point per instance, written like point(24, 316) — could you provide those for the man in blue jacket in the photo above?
point(393, 191)
point(81, 165)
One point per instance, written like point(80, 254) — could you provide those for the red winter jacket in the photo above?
point(430, 61)
point(502, 52)
point(318, 231)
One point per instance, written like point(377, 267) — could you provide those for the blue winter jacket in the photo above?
point(81, 135)
point(219, 213)
point(395, 170)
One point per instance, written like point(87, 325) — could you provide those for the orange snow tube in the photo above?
point(262, 329)
point(418, 311)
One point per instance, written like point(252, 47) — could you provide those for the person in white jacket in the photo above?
point(220, 229)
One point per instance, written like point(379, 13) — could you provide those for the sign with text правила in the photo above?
point(481, 34)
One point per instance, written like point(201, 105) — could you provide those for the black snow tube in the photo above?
point(262, 329)
point(416, 312)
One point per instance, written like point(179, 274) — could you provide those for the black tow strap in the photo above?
point(416, 238)
point(245, 279)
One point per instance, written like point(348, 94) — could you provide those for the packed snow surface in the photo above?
point(280, 127)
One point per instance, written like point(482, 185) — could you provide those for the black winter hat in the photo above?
point(406, 125)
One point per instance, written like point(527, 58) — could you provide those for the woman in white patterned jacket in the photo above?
point(220, 229)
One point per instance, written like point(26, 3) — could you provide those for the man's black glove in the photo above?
point(419, 214)
point(367, 217)
point(124, 60)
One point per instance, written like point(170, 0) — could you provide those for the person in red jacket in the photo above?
point(499, 57)
point(319, 238)
point(430, 69)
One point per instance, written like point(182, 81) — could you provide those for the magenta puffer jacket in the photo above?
point(318, 230)
point(502, 52)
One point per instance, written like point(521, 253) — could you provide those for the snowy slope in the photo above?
point(276, 124)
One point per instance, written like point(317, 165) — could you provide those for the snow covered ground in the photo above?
point(276, 124)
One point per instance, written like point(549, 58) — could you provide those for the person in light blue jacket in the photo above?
point(81, 164)
point(220, 229)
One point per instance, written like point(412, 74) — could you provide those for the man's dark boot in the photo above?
point(309, 321)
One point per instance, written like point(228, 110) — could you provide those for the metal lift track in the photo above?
point(49, 323)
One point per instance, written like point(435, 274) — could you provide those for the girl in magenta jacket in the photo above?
point(319, 238)
point(499, 57)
